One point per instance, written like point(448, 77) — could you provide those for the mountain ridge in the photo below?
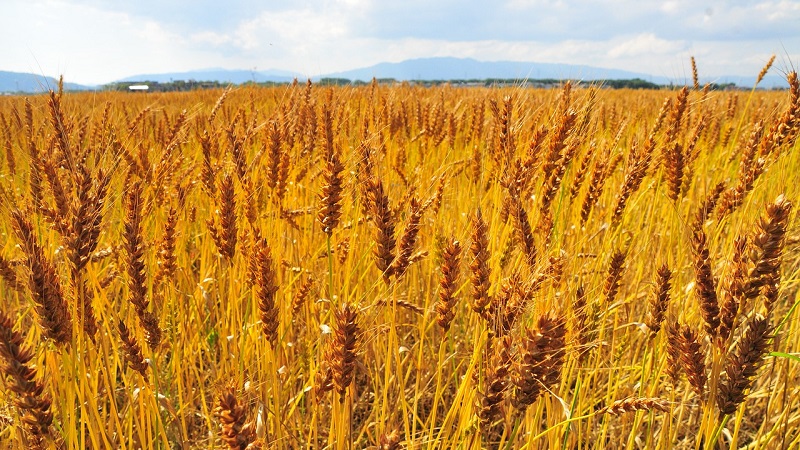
point(422, 69)
point(233, 76)
point(450, 68)
point(32, 83)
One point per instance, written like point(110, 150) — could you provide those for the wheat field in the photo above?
point(392, 266)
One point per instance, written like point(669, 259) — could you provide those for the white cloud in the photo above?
point(296, 27)
point(52, 38)
point(645, 44)
point(211, 38)
point(527, 4)
point(96, 41)
point(673, 6)
point(153, 33)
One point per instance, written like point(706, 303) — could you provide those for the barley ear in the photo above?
point(659, 301)
point(342, 352)
point(479, 264)
point(43, 283)
point(451, 261)
point(21, 379)
point(236, 431)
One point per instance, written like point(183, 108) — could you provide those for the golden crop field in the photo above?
point(393, 266)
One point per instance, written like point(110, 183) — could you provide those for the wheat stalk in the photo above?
point(34, 404)
point(43, 283)
point(451, 261)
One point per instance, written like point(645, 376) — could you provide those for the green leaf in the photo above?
point(212, 338)
point(785, 355)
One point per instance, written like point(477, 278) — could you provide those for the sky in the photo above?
point(99, 41)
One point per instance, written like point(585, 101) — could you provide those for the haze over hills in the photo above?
point(447, 68)
point(441, 68)
point(220, 75)
point(32, 83)
point(429, 69)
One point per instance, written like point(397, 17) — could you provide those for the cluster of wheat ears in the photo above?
point(392, 266)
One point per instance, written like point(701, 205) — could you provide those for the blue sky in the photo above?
point(97, 41)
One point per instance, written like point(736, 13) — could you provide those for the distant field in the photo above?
point(392, 266)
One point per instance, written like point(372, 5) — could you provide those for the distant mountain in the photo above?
point(430, 69)
point(220, 75)
point(447, 68)
point(769, 81)
point(30, 83)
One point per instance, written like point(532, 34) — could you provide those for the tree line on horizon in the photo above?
point(191, 85)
